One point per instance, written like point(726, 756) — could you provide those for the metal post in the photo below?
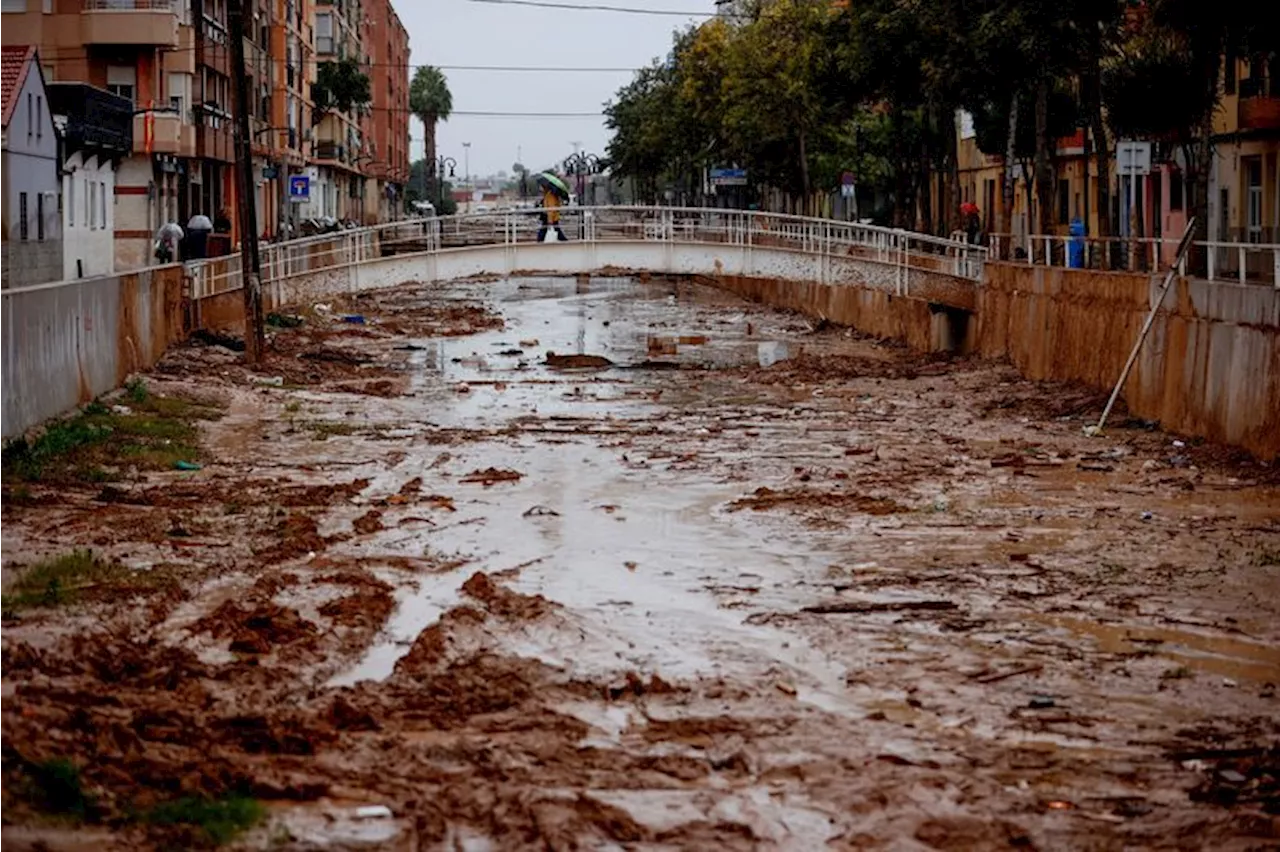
point(250, 261)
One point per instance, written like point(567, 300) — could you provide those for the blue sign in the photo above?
point(728, 177)
point(299, 188)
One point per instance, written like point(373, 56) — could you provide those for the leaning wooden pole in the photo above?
point(1183, 246)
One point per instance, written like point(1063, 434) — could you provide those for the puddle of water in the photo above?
point(417, 608)
point(784, 822)
point(1219, 654)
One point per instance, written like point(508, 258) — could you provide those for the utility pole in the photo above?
point(250, 261)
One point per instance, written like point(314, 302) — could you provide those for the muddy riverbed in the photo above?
point(558, 564)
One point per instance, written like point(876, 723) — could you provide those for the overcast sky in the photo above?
point(461, 32)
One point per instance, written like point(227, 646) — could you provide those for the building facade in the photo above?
point(32, 227)
point(96, 132)
point(389, 115)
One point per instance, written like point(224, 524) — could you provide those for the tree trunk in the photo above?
point(1091, 86)
point(1006, 211)
point(924, 219)
point(804, 170)
point(1044, 161)
point(429, 150)
point(951, 178)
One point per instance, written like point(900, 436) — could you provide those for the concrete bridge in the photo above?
point(697, 242)
point(1212, 367)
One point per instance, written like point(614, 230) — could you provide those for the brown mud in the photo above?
point(801, 590)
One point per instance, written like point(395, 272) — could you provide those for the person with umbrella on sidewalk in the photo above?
point(554, 191)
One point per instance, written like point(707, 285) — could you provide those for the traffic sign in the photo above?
point(728, 177)
point(270, 173)
point(299, 188)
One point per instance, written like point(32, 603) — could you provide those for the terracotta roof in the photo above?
point(14, 62)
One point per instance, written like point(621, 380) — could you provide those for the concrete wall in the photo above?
point(1210, 367)
point(67, 342)
point(88, 217)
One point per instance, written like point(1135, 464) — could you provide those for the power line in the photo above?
point(592, 7)
point(76, 53)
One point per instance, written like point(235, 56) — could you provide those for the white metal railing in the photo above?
point(903, 250)
point(1214, 260)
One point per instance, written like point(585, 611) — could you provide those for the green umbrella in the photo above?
point(552, 182)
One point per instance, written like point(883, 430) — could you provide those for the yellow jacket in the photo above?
point(551, 204)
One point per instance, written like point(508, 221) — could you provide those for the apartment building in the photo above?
point(171, 61)
point(338, 149)
point(1244, 183)
point(388, 122)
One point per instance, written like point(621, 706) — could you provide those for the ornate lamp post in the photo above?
point(444, 168)
point(581, 164)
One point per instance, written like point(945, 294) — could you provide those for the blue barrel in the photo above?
point(1075, 248)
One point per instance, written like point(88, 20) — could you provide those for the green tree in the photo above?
point(776, 116)
point(340, 87)
point(431, 101)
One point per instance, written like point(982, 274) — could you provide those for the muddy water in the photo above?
point(747, 585)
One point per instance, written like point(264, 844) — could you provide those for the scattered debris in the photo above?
point(880, 606)
point(539, 512)
point(490, 476)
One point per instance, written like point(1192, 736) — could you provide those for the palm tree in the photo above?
point(431, 102)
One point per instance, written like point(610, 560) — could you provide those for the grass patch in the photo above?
point(150, 432)
point(66, 579)
point(322, 430)
point(212, 821)
point(57, 788)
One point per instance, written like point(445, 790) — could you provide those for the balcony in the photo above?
point(141, 22)
point(97, 122)
point(1260, 112)
point(169, 135)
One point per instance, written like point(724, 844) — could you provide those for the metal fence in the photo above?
point(1212, 260)
point(742, 228)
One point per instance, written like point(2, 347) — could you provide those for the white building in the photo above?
point(32, 226)
point(96, 128)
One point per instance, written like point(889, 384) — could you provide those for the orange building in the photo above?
point(387, 127)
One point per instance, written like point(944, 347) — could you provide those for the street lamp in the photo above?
point(581, 164)
point(443, 164)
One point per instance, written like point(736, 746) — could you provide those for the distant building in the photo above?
point(32, 228)
point(96, 131)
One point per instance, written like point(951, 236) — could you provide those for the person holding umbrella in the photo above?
point(972, 220)
point(554, 191)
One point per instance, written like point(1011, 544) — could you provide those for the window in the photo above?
point(324, 33)
point(31, 121)
point(92, 201)
point(1253, 197)
point(39, 116)
point(1175, 190)
point(122, 80)
point(87, 205)
point(1064, 200)
point(102, 200)
point(22, 217)
point(1229, 75)
point(71, 201)
point(40, 216)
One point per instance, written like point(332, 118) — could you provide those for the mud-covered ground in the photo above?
point(734, 583)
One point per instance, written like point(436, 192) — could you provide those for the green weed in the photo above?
point(322, 430)
point(214, 821)
point(155, 432)
point(55, 787)
point(136, 391)
point(63, 579)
